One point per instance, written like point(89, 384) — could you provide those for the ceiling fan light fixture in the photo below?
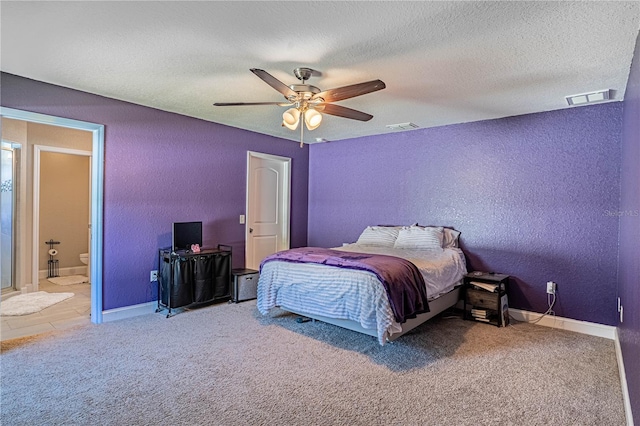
point(309, 100)
point(291, 118)
point(312, 118)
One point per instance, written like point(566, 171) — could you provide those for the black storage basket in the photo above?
point(204, 270)
point(182, 289)
point(222, 277)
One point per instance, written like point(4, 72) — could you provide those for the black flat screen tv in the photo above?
point(185, 234)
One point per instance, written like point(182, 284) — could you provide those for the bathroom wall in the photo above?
point(30, 134)
point(64, 208)
point(14, 130)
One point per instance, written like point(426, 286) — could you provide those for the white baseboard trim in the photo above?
point(129, 311)
point(623, 381)
point(584, 327)
point(73, 270)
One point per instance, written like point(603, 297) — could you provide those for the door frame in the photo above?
point(285, 203)
point(35, 253)
point(97, 193)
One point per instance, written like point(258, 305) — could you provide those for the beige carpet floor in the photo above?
point(228, 365)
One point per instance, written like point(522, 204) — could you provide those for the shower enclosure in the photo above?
point(8, 178)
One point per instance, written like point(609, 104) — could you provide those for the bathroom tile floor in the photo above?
point(68, 313)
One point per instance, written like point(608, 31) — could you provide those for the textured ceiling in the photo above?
point(442, 62)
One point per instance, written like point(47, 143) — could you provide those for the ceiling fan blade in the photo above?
point(251, 103)
point(345, 112)
point(274, 82)
point(346, 92)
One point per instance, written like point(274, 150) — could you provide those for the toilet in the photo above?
point(84, 258)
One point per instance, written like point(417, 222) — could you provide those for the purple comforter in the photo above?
point(401, 279)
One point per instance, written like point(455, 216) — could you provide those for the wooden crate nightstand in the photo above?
point(485, 298)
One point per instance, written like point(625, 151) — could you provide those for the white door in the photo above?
point(268, 187)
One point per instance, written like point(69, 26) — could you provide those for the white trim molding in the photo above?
point(129, 311)
point(584, 327)
point(64, 272)
point(623, 381)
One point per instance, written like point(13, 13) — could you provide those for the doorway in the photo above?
point(268, 206)
point(97, 191)
point(61, 201)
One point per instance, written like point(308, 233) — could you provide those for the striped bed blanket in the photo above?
point(402, 281)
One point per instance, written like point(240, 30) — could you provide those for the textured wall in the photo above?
point(530, 194)
point(629, 263)
point(162, 168)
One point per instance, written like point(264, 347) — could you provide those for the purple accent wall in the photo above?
point(534, 196)
point(629, 256)
point(161, 168)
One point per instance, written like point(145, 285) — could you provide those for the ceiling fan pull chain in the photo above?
point(302, 130)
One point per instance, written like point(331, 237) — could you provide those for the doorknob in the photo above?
point(250, 230)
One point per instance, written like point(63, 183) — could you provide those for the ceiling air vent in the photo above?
point(589, 98)
point(402, 126)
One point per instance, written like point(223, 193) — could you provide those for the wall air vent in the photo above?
point(589, 98)
point(402, 126)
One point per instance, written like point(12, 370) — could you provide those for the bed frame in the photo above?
point(436, 306)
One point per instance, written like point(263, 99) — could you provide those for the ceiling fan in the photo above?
point(309, 102)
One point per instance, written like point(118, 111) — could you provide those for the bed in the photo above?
point(360, 297)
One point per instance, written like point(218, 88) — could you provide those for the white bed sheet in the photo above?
point(353, 294)
point(441, 269)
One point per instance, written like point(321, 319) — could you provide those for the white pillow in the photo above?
point(418, 237)
point(382, 236)
point(451, 237)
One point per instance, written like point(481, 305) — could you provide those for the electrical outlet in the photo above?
point(551, 287)
point(619, 304)
point(153, 276)
point(621, 313)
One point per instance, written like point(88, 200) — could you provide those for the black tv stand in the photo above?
point(188, 279)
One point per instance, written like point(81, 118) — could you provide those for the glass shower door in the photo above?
point(7, 216)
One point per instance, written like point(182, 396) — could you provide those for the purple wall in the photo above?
point(534, 196)
point(161, 168)
point(629, 256)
